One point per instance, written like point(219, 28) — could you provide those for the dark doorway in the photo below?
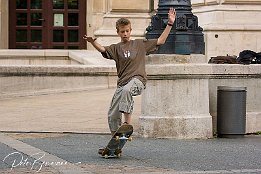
point(47, 24)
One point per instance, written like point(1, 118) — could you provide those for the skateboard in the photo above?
point(118, 140)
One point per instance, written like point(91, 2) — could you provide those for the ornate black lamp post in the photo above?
point(186, 36)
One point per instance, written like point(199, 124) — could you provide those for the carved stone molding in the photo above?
point(253, 2)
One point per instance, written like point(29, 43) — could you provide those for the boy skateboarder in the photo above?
point(129, 56)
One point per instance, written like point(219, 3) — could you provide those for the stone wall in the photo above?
point(26, 80)
point(248, 76)
point(230, 26)
point(180, 99)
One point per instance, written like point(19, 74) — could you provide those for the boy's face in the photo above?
point(124, 32)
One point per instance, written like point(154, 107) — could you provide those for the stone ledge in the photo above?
point(252, 2)
point(227, 7)
point(231, 27)
point(57, 70)
point(36, 57)
point(53, 57)
point(34, 53)
point(175, 59)
point(208, 70)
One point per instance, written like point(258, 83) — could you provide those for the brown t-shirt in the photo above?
point(130, 58)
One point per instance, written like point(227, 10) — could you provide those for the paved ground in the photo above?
point(77, 153)
point(82, 112)
point(85, 113)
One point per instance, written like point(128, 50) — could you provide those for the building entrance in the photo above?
point(47, 24)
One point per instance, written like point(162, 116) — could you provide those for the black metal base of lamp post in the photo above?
point(186, 36)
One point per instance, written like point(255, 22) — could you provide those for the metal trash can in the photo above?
point(231, 112)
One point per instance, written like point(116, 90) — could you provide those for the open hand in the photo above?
point(89, 39)
point(171, 15)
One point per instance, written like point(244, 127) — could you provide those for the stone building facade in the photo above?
point(230, 26)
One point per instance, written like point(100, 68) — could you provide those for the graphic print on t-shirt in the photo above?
point(127, 54)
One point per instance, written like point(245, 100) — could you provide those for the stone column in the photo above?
point(135, 10)
point(175, 103)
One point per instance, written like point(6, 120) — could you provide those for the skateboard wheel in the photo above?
point(119, 155)
point(117, 151)
point(130, 139)
point(117, 138)
point(105, 152)
point(100, 151)
point(106, 156)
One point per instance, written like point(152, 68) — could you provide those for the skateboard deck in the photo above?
point(116, 143)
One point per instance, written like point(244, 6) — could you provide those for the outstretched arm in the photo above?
point(94, 43)
point(165, 33)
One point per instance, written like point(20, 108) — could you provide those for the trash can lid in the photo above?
point(230, 88)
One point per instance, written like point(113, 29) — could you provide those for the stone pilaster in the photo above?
point(4, 24)
point(135, 10)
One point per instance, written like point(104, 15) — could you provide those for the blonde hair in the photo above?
point(122, 22)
